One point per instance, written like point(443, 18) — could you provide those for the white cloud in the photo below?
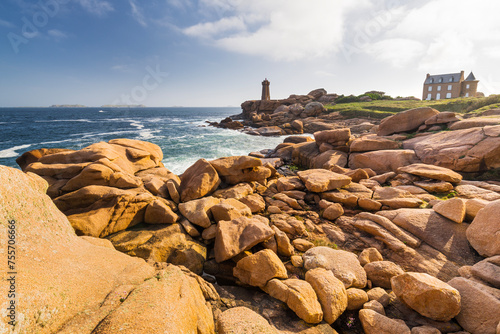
point(137, 13)
point(278, 29)
point(442, 35)
point(57, 34)
point(121, 68)
point(6, 24)
point(399, 52)
point(214, 29)
point(97, 7)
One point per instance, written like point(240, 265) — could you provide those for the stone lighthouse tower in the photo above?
point(265, 90)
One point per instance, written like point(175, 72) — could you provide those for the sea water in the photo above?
point(182, 133)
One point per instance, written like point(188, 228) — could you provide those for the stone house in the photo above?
point(449, 86)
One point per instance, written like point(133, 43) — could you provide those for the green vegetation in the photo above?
point(445, 196)
point(324, 242)
point(348, 106)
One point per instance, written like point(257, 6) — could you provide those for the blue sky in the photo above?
point(216, 52)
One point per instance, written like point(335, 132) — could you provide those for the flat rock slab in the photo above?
point(321, 180)
point(432, 172)
point(437, 231)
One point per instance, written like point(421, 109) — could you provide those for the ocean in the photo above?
point(182, 133)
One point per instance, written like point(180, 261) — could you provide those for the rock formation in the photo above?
point(379, 233)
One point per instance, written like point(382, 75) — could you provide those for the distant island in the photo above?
point(67, 106)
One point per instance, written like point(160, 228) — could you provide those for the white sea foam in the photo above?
point(84, 120)
point(11, 152)
point(56, 141)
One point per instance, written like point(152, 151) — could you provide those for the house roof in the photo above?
point(432, 79)
point(471, 77)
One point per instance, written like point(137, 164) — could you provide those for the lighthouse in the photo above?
point(265, 90)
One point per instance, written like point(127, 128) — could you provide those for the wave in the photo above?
point(11, 152)
point(55, 142)
point(84, 120)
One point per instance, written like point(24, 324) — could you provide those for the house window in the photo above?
point(430, 88)
point(429, 96)
point(448, 95)
point(449, 87)
point(439, 88)
point(438, 96)
point(467, 86)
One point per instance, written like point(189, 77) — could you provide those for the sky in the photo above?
point(216, 53)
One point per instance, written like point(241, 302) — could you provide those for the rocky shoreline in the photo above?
point(363, 229)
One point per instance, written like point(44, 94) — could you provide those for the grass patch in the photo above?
point(445, 196)
point(380, 109)
point(324, 242)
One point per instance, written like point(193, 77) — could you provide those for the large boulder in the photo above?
point(381, 272)
point(299, 296)
point(468, 150)
point(427, 295)
point(435, 230)
point(432, 172)
point(484, 231)
point(304, 153)
point(405, 121)
point(198, 211)
point(238, 235)
point(329, 159)
point(383, 161)
point(242, 320)
point(330, 291)
point(376, 323)
point(198, 180)
point(373, 143)
point(475, 122)
point(99, 211)
point(335, 138)
point(259, 268)
point(480, 311)
point(234, 170)
point(454, 209)
point(344, 265)
point(313, 109)
point(72, 285)
point(162, 243)
point(317, 93)
point(321, 180)
point(184, 311)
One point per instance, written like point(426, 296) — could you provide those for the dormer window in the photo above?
point(452, 79)
point(432, 80)
point(440, 79)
